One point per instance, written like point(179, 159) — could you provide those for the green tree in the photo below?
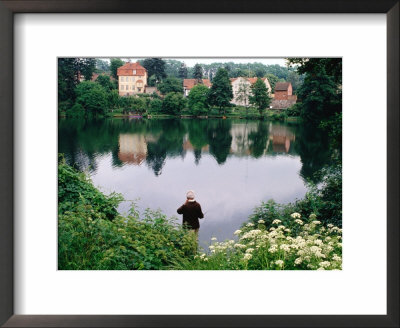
point(170, 84)
point(156, 67)
point(183, 71)
point(67, 80)
point(114, 64)
point(220, 93)
point(156, 105)
point(102, 66)
point(272, 79)
point(105, 82)
point(173, 103)
point(243, 94)
point(197, 99)
point(139, 104)
point(320, 97)
point(92, 97)
point(198, 72)
point(76, 111)
point(86, 66)
point(113, 98)
point(259, 95)
point(311, 66)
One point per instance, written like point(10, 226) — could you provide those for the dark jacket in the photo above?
point(191, 213)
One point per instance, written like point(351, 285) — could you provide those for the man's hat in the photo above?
point(190, 195)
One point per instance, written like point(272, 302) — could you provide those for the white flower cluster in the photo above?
point(302, 245)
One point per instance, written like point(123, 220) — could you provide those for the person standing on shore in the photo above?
point(191, 212)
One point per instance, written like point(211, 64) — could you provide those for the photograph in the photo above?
point(199, 163)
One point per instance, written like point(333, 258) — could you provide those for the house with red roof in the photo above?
point(132, 79)
point(188, 84)
point(283, 96)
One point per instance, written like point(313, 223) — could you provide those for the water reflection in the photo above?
point(232, 164)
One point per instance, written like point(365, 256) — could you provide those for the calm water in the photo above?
point(232, 165)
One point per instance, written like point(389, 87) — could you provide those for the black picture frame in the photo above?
point(10, 7)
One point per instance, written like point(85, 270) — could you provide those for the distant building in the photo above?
point(132, 79)
point(283, 97)
point(247, 82)
point(151, 90)
point(188, 84)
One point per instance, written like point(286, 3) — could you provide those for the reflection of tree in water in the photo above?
point(313, 147)
point(168, 144)
point(258, 139)
point(197, 130)
point(220, 139)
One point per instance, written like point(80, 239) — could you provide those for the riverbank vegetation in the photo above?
point(93, 236)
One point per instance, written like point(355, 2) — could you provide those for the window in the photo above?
point(139, 89)
point(122, 79)
point(134, 72)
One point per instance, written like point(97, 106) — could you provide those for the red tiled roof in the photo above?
point(139, 81)
point(282, 86)
point(190, 83)
point(127, 69)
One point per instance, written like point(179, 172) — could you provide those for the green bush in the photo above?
point(76, 111)
point(156, 105)
point(74, 187)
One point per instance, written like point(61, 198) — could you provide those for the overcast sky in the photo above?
point(190, 62)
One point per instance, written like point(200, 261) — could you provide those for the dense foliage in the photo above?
point(259, 96)
point(88, 240)
point(220, 94)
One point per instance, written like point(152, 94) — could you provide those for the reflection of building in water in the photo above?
point(132, 148)
point(240, 145)
point(280, 136)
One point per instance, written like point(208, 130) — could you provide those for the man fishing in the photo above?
point(191, 211)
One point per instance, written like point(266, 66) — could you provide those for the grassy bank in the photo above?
point(94, 236)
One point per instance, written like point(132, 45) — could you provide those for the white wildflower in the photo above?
point(298, 221)
point(336, 258)
point(276, 221)
point(316, 222)
point(295, 215)
point(237, 232)
point(312, 216)
point(285, 247)
point(261, 221)
point(279, 263)
point(298, 261)
point(250, 224)
point(249, 250)
point(273, 249)
point(320, 269)
point(247, 256)
point(325, 264)
point(318, 242)
point(213, 238)
point(240, 246)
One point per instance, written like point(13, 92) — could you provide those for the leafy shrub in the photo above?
point(156, 105)
point(173, 103)
point(294, 110)
point(76, 111)
point(74, 187)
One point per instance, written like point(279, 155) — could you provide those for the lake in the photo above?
point(232, 165)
